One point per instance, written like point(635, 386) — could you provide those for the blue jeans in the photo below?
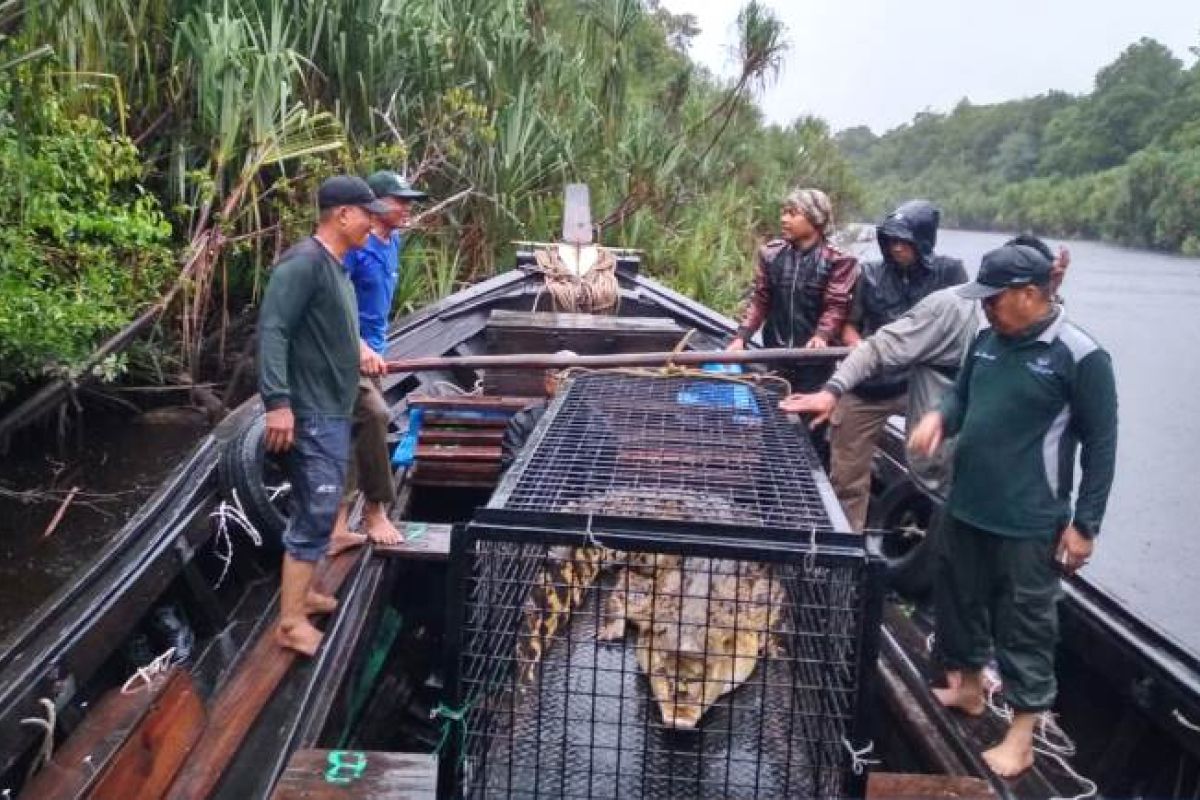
point(316, 465)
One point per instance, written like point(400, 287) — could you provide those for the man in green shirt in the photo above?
point(308, 350)
point(1034, 388)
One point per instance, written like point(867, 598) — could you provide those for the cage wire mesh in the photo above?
point(650, 446)
point(686, 651)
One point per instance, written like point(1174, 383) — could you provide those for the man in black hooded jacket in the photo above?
point(886, 290)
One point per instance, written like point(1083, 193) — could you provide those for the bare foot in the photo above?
point(1009, 759)
point(1014, 755)
point(962, 696)
point(299, 636)
point(341, 541)
point(317, 603)
point(380, 529)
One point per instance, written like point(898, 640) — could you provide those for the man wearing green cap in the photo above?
point(374, 269)
point(1033, 390)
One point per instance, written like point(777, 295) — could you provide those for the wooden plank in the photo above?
point(904, 786)
point(150, 758)
point(458, 483)
point(469, 438)
point(240, 701)
point(107, 725)
point(456, 453)
point(470, 402)
point(549, 320)
point(437, 469)
point(445, 418)
point(312, 775)
point(423, 541)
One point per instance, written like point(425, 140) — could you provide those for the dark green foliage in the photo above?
point(82, 247)
point(1121, 163)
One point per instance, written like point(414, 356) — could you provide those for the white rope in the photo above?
point(859, 760)
point(1049, 738)
point(929, 640)
point(1089, 785)
point(223, 542)
point(591, 537)
point(46, 750)
point(1184, 721)
point(145, 676)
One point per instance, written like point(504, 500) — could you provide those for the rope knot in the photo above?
point(859, 759)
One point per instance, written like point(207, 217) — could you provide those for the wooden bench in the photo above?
point(460, 437)
point(363, 775)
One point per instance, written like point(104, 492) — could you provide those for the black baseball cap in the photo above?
point(347, 190)
point(1006, 267)
point(386, 183)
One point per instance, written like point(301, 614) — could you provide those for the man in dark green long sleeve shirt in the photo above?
point(1033, 390)
point(308, 378)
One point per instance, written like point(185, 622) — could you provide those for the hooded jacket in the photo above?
point(886, 291)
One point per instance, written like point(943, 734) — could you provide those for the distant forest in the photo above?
point(1121, 163)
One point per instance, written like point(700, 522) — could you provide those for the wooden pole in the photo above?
point(687, 358)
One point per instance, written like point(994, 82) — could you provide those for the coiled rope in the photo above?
point(596, 291)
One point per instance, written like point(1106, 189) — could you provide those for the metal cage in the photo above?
point(555, 702)
point(677, 447)
point(657, 603)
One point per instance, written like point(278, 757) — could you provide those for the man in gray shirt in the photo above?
point(930, 340)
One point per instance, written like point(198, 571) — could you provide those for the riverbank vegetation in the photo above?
point(177, 144)
point(1121, 163)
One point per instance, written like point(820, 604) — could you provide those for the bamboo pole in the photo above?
point(688, 358)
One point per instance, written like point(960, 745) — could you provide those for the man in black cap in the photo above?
point(374, 269)
point(308, 379)
point(1034, 388)
point(909, 271)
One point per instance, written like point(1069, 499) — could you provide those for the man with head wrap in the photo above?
point(802, 285)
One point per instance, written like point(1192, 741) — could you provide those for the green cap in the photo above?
point(386, 183)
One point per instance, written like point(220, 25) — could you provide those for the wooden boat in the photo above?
point(244, 719)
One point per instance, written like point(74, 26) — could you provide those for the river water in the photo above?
point(1144, 308)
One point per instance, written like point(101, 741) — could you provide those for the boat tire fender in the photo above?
point(909, 556)
point(242, 466)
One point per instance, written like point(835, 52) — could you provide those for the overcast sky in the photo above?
point(878, 62)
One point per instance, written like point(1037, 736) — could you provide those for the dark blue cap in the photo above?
point(347, 190)
point(1006, 267)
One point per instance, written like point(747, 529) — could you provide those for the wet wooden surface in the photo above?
point(469, 402)
point(150, 758)
point(311, 775)
point(423, 541)
point(456, 453)
point(92, 744)
point(468, 438)
point(243, 696)
point(903, 786)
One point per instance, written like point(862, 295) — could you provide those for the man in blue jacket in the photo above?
point(1033, 390)
point(374, 270)
point(909, 271)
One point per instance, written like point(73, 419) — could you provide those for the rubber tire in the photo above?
point(241, 466)
point(910, 571)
